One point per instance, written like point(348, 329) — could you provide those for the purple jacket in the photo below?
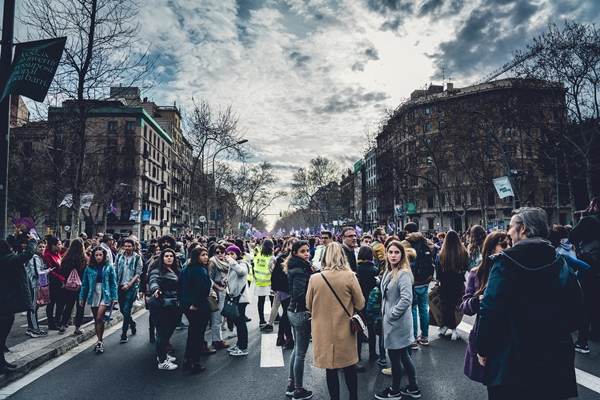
point(470, 306)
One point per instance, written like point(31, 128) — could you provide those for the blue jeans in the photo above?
point(126, 299)
point(421, 301)
point(301, 329)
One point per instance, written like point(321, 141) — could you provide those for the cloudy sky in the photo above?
point(311, 77)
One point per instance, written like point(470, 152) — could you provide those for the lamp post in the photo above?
point(213, 170)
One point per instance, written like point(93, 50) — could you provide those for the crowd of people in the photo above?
point(530, 288)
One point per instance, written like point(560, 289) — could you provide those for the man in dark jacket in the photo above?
point(14, 291)
point(586, 238)
point(527, 314)
point(349, 244)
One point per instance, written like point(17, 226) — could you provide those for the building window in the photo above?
point(145, 132)
point(130, 126)
point(430, 201)
point(112, 126)
point(27, 149)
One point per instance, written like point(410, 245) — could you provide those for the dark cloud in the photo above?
point(372, 53)
point(487, 39)
point(429, 6)
point(395, 12)
point(300, 60)
point(495, 29)
point(350, 99)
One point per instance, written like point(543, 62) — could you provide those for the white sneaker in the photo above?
point(239, 353)
point(454, 335)
point(232, 349)
point(169, 358)
point(442, 331)
point(167, 365)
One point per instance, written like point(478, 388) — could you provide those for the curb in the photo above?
point(31, 361)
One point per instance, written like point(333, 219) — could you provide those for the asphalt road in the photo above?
point(127, 371)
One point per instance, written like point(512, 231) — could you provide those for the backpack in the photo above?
point(422, 266)
point(73, 282)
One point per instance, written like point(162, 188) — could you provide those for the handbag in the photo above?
point(357, 324)
point(43, 296)
point(73, 282)
point(230, 308)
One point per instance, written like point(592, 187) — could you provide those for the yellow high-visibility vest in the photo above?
point(262, 274)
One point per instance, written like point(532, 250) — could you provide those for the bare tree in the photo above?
point(307, 182)
point(571, 54)
point(254, 189)
point(101, 51)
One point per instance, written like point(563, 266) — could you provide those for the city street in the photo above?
point(127, 370)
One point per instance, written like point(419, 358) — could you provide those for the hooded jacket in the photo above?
point(529, 309)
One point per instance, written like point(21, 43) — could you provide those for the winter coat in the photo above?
point(53, 261)
point(15, 293)
point(396, 308)
point(334, 345)
point(351, 256)
point(414, 241)
point(279, 279)
point(109, 284)
point(470, 306)
point(237, 280)
point(194, 288)
point(299, 272)
point(366, 272)
point(530, 307)
point(34, 267)
point(167, 282)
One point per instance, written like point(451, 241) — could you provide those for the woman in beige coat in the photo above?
point(334, 345)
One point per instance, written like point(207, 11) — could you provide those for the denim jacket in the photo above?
point(109, 284)
point(127, 270)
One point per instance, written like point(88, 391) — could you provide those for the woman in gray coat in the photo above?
point(397, 295)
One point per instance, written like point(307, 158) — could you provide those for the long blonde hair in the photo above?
point(334, 258)
point(402, 266)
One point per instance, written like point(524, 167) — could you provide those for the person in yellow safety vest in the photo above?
point(262, 277)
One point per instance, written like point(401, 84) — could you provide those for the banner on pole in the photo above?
point(33, 68)
point(503, 187)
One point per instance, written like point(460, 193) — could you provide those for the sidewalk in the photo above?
point(29, 353)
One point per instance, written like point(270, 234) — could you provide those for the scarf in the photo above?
point(222, 266)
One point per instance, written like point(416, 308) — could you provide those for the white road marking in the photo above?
point(270, 354)
point(12, 388)
point(585, 379)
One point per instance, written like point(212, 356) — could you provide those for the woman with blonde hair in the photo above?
point(332, 295)
point(397, 295)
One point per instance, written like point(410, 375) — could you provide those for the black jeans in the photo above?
point(285, 329)
point(242, 328)
point(333, 382)
point(6, 323)
point(167, 319)
point(197, 326)
point(55, 297)
point(400, 359)
point(65, 307)
point(261, 308)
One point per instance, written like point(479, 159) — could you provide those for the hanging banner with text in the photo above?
point(503, 187)
point(33, 68)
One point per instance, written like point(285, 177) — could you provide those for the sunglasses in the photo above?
point(218, 252)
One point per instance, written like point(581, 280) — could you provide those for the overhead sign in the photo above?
point(503, 187)
point(411, 208)
point(134, 215)
point(33, 68)
point(146, 215)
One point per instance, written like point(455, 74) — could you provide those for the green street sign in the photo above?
point(33, 68)
point(411, 208)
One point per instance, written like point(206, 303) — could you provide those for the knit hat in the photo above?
point(234, 249)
